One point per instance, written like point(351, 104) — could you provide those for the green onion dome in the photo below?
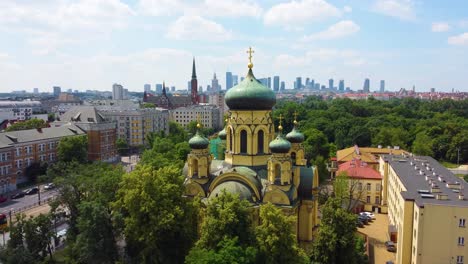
point(222, 134)
point(250, 94)
point(198, 142)
point(280, 145)
point(295, 136)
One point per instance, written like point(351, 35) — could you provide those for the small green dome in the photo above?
point(280, 145)
point(250, 94)
point(198, 142)
point(222, 134)
point(295, 136)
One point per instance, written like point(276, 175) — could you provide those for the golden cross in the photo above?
point(250, 51)
point(280, 119)
point(198, 120)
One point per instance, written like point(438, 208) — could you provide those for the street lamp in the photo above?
point(39, 194)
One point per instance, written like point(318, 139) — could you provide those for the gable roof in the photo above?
point(83, 114)
point(359, 169)
point(366, 154)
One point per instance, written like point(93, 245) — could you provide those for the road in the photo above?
point(27, 201)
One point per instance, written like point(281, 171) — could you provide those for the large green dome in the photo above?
point(295, 136)
point(280, 145)
point(198, 142)
point(250, 94)
point(222, 134)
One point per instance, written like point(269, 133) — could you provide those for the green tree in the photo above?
point(74, 148)
point(228, 251)
point(159, 223)
point(422, 145)
point(336, 239)
point(28, 124)
point(51, 117)
point(122, 146)
point(275, 238)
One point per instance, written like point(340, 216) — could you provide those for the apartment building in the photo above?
point(18, 110)
point(368, 155)
point(134, 125)
point(210, 115)
point(427, 210)
point(21, 149)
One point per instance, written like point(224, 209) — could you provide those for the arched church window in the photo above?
point(260, 139)
point(277, 173)
point(195, 167)
point(293, 158)
point(243, 141)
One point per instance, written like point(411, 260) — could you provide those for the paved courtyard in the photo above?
point(377, 234)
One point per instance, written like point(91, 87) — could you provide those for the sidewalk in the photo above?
point(377, 234)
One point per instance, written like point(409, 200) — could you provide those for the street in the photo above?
point(16, 205)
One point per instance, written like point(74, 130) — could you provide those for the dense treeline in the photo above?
point(433, 128)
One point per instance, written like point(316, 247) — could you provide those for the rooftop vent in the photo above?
point(396, 147)
point(435, 189)
point(461, 196)
point(421, 172)
point(453, 185)
point(424, 191)
point(442, 196)
point(427, 196)
point(379, 146)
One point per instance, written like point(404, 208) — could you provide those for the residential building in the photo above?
point(276, 83)
point(341, 86)
point(19, 110)
point(117, 92)
point(366, 87)
point(427, 210)
point(368, 155)
point(134, 125)
point(217, 99)
point(330, 84)
point(298, 83)
point(210, 115)
point(229, 80)
point(57, 91)
point(101, 131)
point(21, 149)
point(147, 88)
point(36, 90)
point(382, 86)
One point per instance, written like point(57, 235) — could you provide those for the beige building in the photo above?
point(210, 115)
point(427, 210)
point(134, 125)
point(218, 100)
point(368, 155)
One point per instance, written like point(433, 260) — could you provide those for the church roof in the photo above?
point(280, 145)
point(250, 94)
point(233, 187)
point(295, 136)
point(198, 142)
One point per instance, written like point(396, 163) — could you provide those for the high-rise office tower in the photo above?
point(228, 80)
point(36, 90)
point(117, 92)
point(382, 86)
point(317, 86)
point(366, 87)
point(276, 83)
point(298, 82)
point(159, 88)
point(312, 84)
point(341, 86)
point(172, 89)
point(214, 84)
point(147, 88)
point(194, 84)
point(307, 81)
point(57, 91)
point(269, 82)
point(264, 81)
point(235, 80)
point(283, 86)
point(330, 84)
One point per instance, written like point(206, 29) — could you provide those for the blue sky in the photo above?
point(91, 44)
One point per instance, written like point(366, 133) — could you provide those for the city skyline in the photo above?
point(94, 44)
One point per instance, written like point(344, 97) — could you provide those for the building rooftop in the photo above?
point(366, 154)
point(427, 181)
point(359, 169)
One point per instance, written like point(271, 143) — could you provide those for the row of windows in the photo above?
point(29, 149)
point(377, 200)
point(378, 186)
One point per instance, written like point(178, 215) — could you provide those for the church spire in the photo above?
point(194, 72)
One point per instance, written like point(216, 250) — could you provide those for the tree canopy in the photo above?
point(28, 124)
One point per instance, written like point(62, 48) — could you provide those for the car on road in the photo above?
point(31, 191)
point(363, 219)
point(390, 246)
point(370, 215)
point(49, 186)
point(359, 223)
point(18, 195)
point(3, 199)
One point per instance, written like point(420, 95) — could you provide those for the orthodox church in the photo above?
point(260, 164)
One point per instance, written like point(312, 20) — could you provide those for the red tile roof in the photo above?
point(356, 168)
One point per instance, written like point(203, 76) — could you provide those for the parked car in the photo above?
point(363, 219)
point(390, 246)
point(359, 223)
point(369, 219)
point(49, 186)
point(389, 262)
point(18, 195)
point(371, 215)
point(31, 191)
point(3, 199)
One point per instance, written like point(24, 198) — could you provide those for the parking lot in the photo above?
point(377, 234)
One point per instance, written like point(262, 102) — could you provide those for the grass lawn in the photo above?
point(449, 164)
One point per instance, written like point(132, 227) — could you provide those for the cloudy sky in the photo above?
point(91, 44)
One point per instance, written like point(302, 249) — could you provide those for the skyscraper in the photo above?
point(276, 83)
point(366, 87)
point(341, 86)
point(312, 84)
point(36, 90)
point(235, 80)
point(228, 80)
point(194, 84)
point(382, 86)
point(159, 88)
point(147, 88)
point(283, 86)
point(57, 91)
point(298, 83)
point(330, 84)
point(269, 82)
point(117, 92)
point(214, 84)
point(307, 81)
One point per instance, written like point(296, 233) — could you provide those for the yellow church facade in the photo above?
point(261, 165)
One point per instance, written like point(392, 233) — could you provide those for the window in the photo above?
point(243, 141)
point(41, 147)
point(28, 149)
point(359, 186)
point(277, 173)
point(260, 141)
point(42, 157)
point(51, 145)
point(18, 151)
point(461, 241)
point(459, 259)
point(19, 164)
point(368, 186)
point(377, 187)
point(377, 200)
point(461, 222)
point(51, 156)
point(368, 199)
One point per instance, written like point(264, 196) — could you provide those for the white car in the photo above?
point(369, 214)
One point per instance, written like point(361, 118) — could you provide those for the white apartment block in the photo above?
point(210, 115)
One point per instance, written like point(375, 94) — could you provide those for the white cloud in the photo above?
point(296, 13)
point(459, 40)
point(310, 58)
point(403, 9)
point(440, 27)
point(341, 29)
point(347, 9)
point(197, 28)
point(212, 8)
